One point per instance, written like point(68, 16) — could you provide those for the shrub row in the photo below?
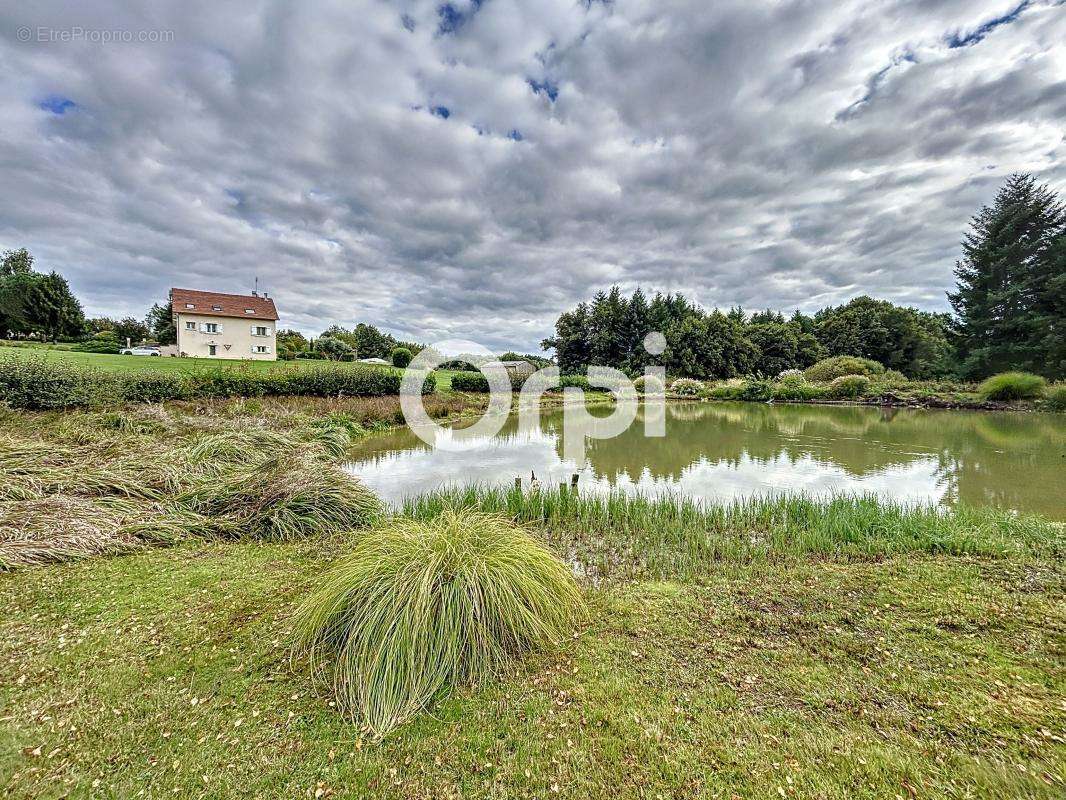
point(37, 383)
point(477, 382)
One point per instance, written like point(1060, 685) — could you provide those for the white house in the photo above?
point(214, 325)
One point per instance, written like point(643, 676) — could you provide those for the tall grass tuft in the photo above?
point(420, 606)
point(1012, 386)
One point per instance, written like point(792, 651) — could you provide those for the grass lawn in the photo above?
point(167, 673)
point(116, 363)
point(772, 649)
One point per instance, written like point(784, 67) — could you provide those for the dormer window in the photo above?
point(249, 311)
point(190, 305)
point(216, 308)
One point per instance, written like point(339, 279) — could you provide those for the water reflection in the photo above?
point(729, 450)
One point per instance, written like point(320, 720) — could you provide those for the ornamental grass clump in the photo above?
point(1012, 386)
point(420, 607)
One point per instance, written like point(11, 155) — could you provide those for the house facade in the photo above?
point(232, 326)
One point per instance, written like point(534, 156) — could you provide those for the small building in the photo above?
point(233, 326)
point(517, 369)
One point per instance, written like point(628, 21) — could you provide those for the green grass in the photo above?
point(114, 363)
point(773, 647)
point(621, 536)
point(170, 670)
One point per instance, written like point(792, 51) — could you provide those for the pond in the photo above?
point(719, 451)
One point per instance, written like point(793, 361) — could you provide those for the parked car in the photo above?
point(139, 351)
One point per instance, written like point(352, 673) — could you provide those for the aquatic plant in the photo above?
point(420, 606)
point(675, 537)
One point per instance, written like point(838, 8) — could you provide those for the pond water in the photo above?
point(719, 451)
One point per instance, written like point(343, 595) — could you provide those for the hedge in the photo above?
point(40, 384)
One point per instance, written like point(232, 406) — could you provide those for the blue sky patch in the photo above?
point(515, 134)
point(440, 111)
point(57, 104)
point(957, 39)
point(545, 87)
point(452, 19)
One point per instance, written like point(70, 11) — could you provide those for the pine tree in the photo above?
point(1007, 305)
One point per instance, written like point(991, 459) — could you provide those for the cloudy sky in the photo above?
point(471, 168)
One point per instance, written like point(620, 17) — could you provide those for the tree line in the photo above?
point(1010, 313)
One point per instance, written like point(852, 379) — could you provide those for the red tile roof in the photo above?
point(215, 304)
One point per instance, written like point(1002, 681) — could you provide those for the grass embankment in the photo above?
point(843, 649)
point(186, 366)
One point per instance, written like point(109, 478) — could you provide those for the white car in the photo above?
point(139, 351)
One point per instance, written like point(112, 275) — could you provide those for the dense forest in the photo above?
point(1010, 306)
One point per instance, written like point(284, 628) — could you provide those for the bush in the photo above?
point(1012, 386)
point(849, 386)
point(340, 382)
point(311, 354)
point(576, 381)
point(756, 390)
point(838, 366)
point(649, 384)
point(227, 382)
point(792, 376)
point(1056, 397)
point(798, 390)
point(98, 344)
point(420, 607)
point(36, 383)
point(401, 357)
point(332, 348)
point(470, 382)
point(687, 387)
point(152, 387)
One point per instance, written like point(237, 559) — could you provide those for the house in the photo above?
point(215, 325)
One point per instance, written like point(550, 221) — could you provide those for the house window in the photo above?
point(260, 330)
point(190, 326)
point(212, 349)
point(260, 348)
point(216, 308)
point(211, 327)
point(190, 305)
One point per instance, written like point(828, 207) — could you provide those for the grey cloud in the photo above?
point(691, 148)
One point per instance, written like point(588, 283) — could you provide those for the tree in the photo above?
point(292, 340)
point(32, 302)
point(778, 345)
point(16, 262)
point(1008, 302)
point(333, 348)
point(51, 308)
point(132, 329)
point(401, 357)
point(160, 323)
